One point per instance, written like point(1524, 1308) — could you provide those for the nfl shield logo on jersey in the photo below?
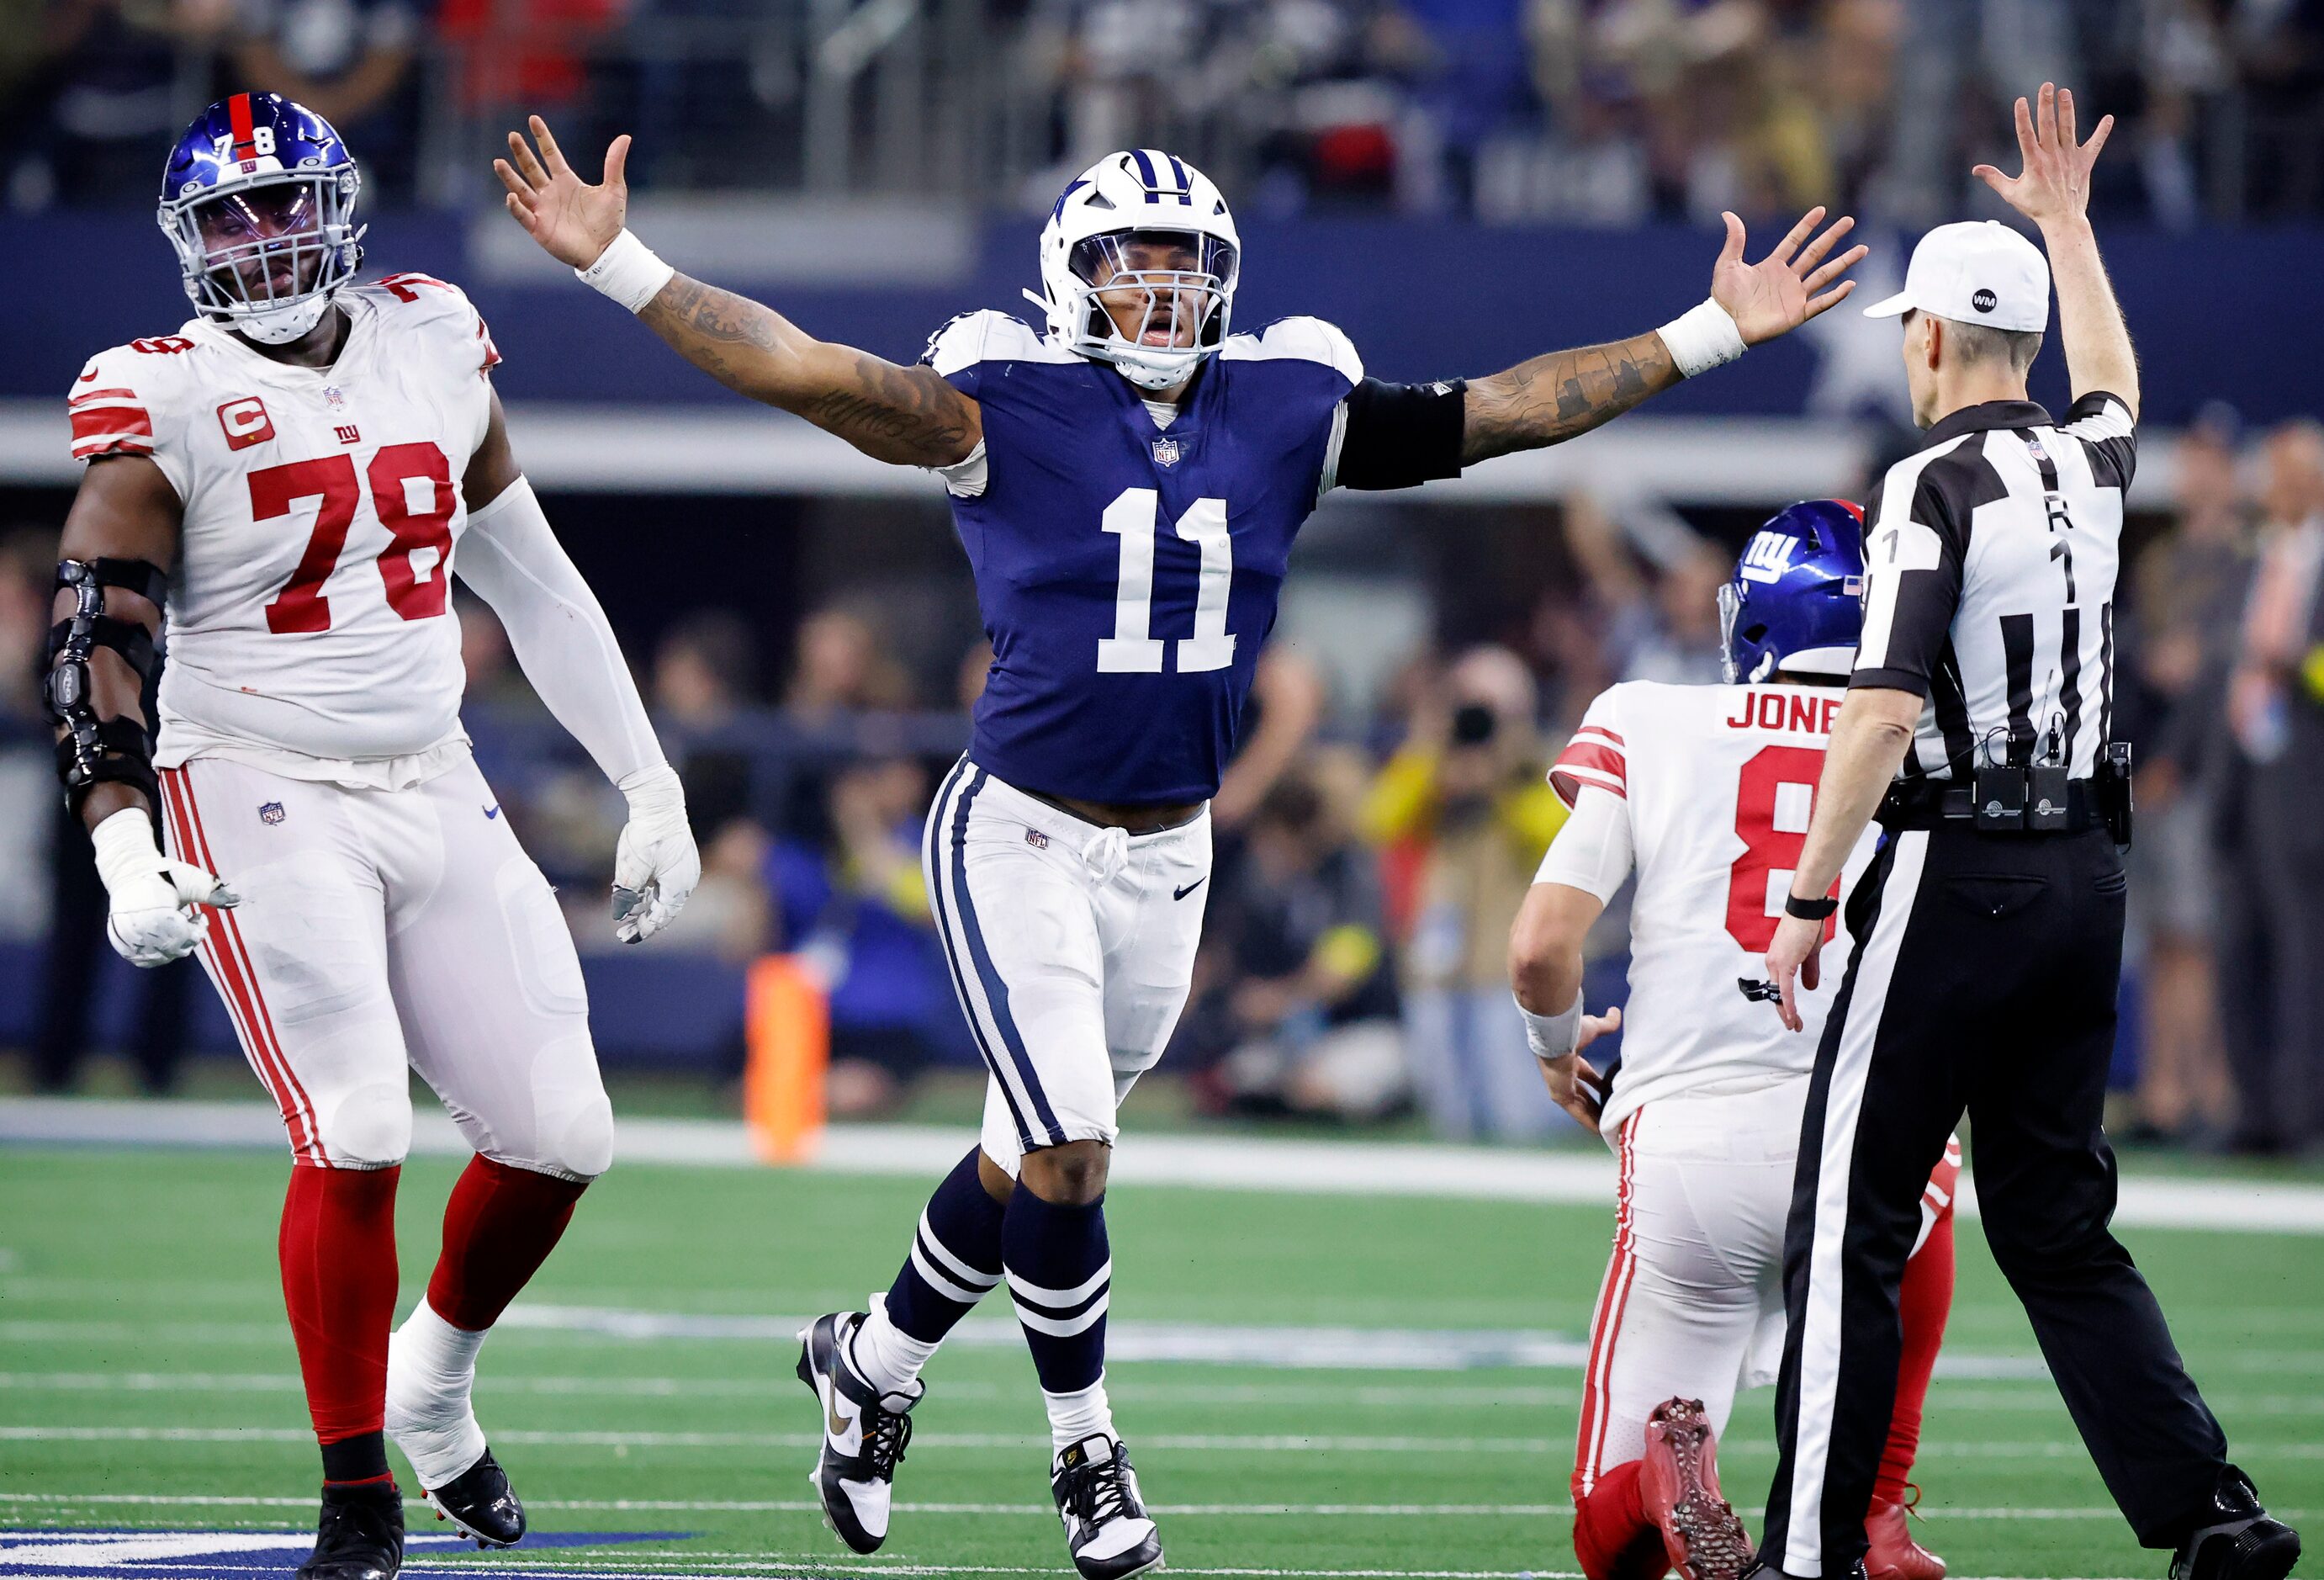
point(271, 813)
point(1165, 452)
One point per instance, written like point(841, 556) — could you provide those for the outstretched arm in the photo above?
point(906, 415)
point(2054, 191)
point(1553, 398)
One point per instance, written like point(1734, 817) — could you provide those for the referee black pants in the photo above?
point(1983, 980)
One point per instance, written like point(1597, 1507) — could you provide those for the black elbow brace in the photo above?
point(96, 751)
point(1399, 436)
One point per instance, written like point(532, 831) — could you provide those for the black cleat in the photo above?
point(482, 1504)
point(1106, 1526)
point(361, 1537)
point(864, 1433)
point(2237, 1539)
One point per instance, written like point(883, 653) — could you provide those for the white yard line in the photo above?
point(1190, 1443)
point(1129, 1340)
point(2101, 1511)
point(1225, 1162)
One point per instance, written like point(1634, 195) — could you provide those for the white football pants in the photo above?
point(1692, 1302)
point(1071, 948)
point(381, 927)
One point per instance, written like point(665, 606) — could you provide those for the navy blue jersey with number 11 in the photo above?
point(1128, 573)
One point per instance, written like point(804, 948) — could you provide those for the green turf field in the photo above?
point(147, 1379)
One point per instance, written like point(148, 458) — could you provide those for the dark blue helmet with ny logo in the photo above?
point(1796, 599)
point(259, 203)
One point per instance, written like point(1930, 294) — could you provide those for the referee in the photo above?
point(1989, 928)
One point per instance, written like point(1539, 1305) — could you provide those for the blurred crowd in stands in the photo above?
point(1587, 111)
point(1373, 850)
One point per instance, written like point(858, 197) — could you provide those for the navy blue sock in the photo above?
point(955, 1258)
point(1061, 1277)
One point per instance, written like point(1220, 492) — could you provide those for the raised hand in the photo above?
point(2055, 184)
point(573, 221)
point(1787, 287)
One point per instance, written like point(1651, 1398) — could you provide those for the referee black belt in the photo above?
point(1929, 803)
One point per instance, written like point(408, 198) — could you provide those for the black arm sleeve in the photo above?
point(1399, 436)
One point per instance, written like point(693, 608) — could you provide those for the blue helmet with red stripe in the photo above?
point(1796, 599)
point(259, 203)
point(1145, 234)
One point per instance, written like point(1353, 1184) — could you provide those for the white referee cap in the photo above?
point(1977, 271)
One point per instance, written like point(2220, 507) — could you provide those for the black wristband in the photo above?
point(1809, 909)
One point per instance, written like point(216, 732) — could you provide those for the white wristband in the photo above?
point(1702, 338)
point(654, 788)
point(125, 848)
point(628, 272)
point(1553, 1036)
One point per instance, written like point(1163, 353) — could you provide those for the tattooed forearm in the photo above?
point(911, 408)
point(908, 415)
point(1553, 398)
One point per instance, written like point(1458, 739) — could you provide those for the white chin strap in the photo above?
point(279, 326)
point(1153, 367)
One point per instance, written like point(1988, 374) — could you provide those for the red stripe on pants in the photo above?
point(233, 958)
point(1605, 1324)
point(226, 973)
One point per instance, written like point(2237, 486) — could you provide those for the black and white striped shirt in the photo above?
point(1990, 558)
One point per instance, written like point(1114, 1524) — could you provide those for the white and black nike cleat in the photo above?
point(481, 1504)
point(360, 1536)
point(864, 1433)
point(1106, 1526)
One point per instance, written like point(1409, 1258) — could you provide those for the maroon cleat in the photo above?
point(1894, 1554)
point(1678, 1484)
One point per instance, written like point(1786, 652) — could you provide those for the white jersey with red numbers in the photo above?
point(1712, 785)
point(308, 623)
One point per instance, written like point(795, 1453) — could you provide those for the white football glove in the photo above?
point(152, 920)
point(655, 865)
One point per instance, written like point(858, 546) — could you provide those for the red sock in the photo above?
point(1926, 1300)
point(1610, 1533)
point(339, 1283)
point(500, 1225)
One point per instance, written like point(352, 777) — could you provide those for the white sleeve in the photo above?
point(1592, 852)
point(512, 559)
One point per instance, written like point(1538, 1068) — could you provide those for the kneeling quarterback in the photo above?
point(284, 484)
point(1705, 791)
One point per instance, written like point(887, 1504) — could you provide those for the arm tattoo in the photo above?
point(909, 415)
point(911, 408)
point(1553, 398)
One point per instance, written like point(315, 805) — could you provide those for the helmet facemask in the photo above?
point(1173, 288)
point(265, 254)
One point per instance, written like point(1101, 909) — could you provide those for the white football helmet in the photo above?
point(1142, 220)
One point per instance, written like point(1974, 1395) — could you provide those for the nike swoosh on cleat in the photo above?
point(491, 811)
point(838, 1423)
point(1189, 888)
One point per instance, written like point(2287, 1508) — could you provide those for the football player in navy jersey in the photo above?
point(1127, 479)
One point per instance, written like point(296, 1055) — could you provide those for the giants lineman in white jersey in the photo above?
point(291, 476)
point(1705, 791)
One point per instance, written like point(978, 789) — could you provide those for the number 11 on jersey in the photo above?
point(1134, 517)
